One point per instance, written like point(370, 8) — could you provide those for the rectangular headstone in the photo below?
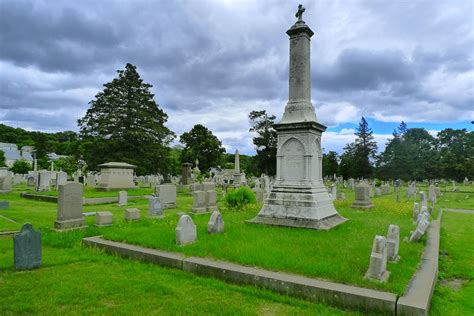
point(70, 206)
point(155, 207)
point(103, 218)
point(199, 202)
point(132, 214)
point(122, 198)
point(27, 248)
point(167, 194)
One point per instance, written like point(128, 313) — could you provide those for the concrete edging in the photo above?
point(86, 201)
point(417, 299)
point(293, 285)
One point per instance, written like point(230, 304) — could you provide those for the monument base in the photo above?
point(362, 204)
point(298, 205)
point(70, 224)
point(383, 278)
point(199, 210)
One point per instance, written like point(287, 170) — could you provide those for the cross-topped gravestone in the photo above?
point(299, 13)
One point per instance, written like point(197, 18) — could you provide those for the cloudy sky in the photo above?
point(213, 61)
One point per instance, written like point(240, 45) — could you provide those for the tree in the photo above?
point(21, 167)
point(456, 149)
point(124, 123)
point(265, 141)
point(330, 164)
point(2, 159)
point(356, 161)
point(200, 144)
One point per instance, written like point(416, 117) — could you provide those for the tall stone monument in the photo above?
point(298, 197)
point(70, 206)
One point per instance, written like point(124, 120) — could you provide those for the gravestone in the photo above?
point(185, 231)
point(411, 189)
point(6, 182)
point(341, 196)
point(70, 206)
point(27, 248)
point(378, 192)
point(416, 211)
point(333, 192)
point(385, 189)
point(103, 218)
point(206, 186)
point(432, 193)
point(211, 201)
point(199, 202)
point(420, 229)
point(393, 240)
point(90, 181)
point(4, 205)
point(216, 223)
point(167, 194)
point(259, 194)
point(186, 173)
point(44, 177)
point(362, 196)
point(378, 260)
point(61, 178)
point(155, 207)
point(122, 198)
point(423, 200)
point(132, 214)
point(31, 181)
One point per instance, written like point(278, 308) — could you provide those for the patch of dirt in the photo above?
point(454, 284)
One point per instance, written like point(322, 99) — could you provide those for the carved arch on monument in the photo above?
point(293, 166)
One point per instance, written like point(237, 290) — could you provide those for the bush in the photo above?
point(21, 167)
point(240, 197)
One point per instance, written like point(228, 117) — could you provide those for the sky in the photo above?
point(211, 62)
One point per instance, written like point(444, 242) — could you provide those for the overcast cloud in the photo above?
point(212, 62)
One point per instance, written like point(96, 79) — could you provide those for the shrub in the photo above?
point(240, 197)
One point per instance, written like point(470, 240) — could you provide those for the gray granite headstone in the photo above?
point(185, 231)
point(4, 205)
point(155, 207)
point(216, 223)
point(27, 248)
point(70, 206)
point(378, 260)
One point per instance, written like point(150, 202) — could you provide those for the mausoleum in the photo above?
point(116, 175)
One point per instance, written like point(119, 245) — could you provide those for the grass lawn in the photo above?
point(74, 275)
point(91, 193)
point(454, 291)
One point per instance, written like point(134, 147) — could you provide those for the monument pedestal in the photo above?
point(69, 224)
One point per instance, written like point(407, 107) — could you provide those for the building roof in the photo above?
point(11, 154)
point(122, 165)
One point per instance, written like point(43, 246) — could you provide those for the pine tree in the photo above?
point(265, 142)
point(124, 123)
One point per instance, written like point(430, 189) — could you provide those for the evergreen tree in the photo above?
point(2, 159)
point(265, 141)
point(200, 144)
point(365, 149)
point(124, 123)
point(330, 164)
point(21, 167)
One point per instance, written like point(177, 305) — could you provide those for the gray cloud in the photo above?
point(213, 61)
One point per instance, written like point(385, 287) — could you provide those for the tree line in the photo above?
point(124, 123)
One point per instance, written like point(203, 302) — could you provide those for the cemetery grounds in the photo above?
point(79, 280)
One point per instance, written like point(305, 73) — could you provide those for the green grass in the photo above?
point(74, 274)
point(80, 281)
point(456, 266)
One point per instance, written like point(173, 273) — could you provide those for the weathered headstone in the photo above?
point(341, 196)
point(378, 192)
point(61, 178)
point(420, 229)
point(4, 205)
point(155, 207)
point(333, 191)
point(167, 194)
point(423, 200)
point(216, 223)
point(432, 193)
point(385, 189)
point(185, 231)
point(27, 248)
point(44, 177)
point(211, 201)
point(378, 260)
point(186, 173)
point(31, 181)
point(416, 211)
point(393, 240)
point(259, 194)
point(6, 182)
point(70, 206)
point(90, 181)
point(122, 198)
point(132, 214)
point(199, 202)
point(362, 196)
point(103, 218)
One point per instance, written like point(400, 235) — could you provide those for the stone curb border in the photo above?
point(330, 293)
point(86, 201)
point(417, 299)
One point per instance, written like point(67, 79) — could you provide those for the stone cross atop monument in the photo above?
point(299, 13)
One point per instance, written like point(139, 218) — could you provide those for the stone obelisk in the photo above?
point(298, 197)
